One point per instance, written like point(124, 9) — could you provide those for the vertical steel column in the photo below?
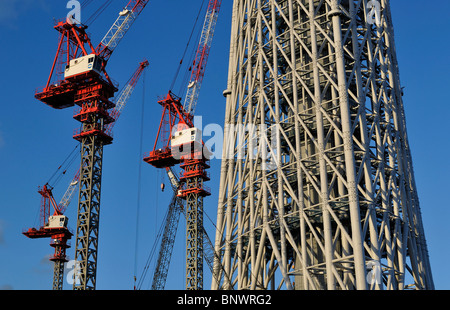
point(344, 104)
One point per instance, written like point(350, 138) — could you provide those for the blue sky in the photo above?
point(35, 139)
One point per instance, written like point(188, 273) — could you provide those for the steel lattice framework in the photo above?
point(317, 187)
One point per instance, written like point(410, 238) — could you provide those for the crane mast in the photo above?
point(121, 102)
point(87, 85)
point(54, 227)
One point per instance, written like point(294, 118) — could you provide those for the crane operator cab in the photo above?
point(57, 221)
point(83, 65)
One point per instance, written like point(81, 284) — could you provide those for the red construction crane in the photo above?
point(87, 84)
point(181, 143)
point(76, 58)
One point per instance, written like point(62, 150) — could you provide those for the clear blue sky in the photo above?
point(35, 139)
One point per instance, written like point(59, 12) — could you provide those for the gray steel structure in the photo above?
point(317, 187)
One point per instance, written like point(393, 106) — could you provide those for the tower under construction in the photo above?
point(317, 186)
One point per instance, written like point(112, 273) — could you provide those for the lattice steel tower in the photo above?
point(317, 187)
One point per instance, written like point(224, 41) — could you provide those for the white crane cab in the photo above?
point(186, 136)
point(57, 221)
point(82, 65)
point(184, 142)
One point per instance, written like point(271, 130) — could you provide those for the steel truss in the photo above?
point(317, 188)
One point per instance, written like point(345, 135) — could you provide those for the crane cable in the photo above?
point(138, 285)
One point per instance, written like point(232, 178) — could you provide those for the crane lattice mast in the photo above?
point(176, 207)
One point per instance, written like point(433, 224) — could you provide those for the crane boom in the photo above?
point(87, 85)
point(201, 57)
point(125, 94)
point(120, 27)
